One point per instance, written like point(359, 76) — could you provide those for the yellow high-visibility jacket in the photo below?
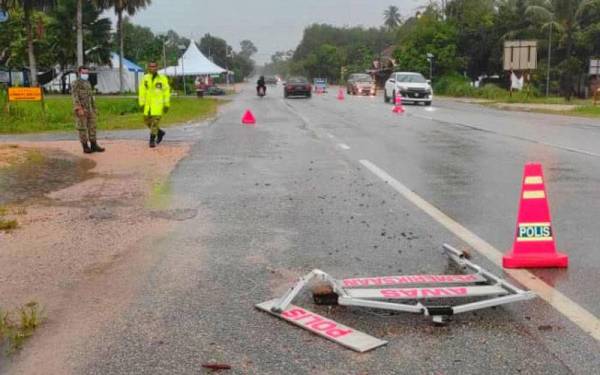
point(154, 94)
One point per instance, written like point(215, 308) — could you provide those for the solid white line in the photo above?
point(574, 312)
point(553, 145)
point(344, 146)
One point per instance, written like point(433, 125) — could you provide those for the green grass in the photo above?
point(18, 326)
point(113, 113)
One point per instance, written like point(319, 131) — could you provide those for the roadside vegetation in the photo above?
point(113, 113)
point(17, 326)
point(460, 87)
point(42, 34)
point(466, 39)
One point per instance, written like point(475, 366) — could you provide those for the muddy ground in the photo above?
point(83, 226)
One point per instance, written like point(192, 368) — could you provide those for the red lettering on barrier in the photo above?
point(316, 318)
point(293, 313)
point(424, 292)
point(324, 326)
point(433, 292)
point(414, 279)
point(336, 332)
point(316, 323)
point(458, 291)
point(400, 293)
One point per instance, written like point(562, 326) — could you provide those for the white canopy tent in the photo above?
point(193, 63)
point(107, 77)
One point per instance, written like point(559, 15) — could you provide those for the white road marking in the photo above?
point(344, 146)
point(563, 304)
point(565, 148)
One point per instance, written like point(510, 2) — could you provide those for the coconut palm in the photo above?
point(28, 7)
point(391, 17)
point(130, 7)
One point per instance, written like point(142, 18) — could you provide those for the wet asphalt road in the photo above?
point(275, 201)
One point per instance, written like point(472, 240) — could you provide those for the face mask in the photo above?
point(85, 77)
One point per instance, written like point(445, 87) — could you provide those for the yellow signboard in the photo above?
point(25, 94)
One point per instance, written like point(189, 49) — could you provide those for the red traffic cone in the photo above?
point(534, 245)
point(248, 118)
point(340, 94)
point(398, 108)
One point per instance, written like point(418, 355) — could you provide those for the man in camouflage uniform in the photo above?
point(155, 101)
point(84, 106)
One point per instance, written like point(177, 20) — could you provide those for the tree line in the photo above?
point(465, 37)
point(70, 33)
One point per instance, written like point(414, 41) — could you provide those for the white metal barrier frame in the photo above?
point(501, 291)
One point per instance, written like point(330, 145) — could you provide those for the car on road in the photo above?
point(361, 84)
point(412, 87)
point(271, 80)
point(214, 91)
point(297, 86)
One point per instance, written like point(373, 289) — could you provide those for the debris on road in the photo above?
point(216, 366)
point(371, 292)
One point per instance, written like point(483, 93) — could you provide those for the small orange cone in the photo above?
point(534, 245)
point(248, 118)
point(398, 108)
point(340, 94)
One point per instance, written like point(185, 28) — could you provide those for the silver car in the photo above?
point(412, 87)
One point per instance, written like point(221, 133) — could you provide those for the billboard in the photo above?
point(520, 55)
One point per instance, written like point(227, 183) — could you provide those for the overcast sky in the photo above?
point(273, 25)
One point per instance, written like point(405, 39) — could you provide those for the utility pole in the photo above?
point(183, 49)
point(549, 57)
point(164, 54)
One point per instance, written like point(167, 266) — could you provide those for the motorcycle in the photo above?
point(261, 91)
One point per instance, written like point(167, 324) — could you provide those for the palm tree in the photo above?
point(123, 6)
point(391, 17)
point(29, 6)
point(562, 15)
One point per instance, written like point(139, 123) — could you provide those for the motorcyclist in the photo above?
point(260, 84)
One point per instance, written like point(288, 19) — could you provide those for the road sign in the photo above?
point(520, 55)
point(3, 16)
point(595, 67)
point(25, 94)
point(327, 328)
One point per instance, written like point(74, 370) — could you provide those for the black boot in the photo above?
point(152, 141)
point(95, 147)
point(161, 134)
point(86, 148)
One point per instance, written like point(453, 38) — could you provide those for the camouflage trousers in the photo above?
point(86, 126)
point(152, 124)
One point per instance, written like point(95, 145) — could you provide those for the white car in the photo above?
point(412, 87)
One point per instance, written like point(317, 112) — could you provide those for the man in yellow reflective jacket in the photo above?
point(155, 100)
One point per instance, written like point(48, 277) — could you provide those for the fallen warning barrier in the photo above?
point(481, 289)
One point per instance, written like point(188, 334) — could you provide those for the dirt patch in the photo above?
point(27, 172)
point(82, 248)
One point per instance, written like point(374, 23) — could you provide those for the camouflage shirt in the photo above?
point(83, 95)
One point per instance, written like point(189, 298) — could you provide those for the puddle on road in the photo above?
point(28, 173)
